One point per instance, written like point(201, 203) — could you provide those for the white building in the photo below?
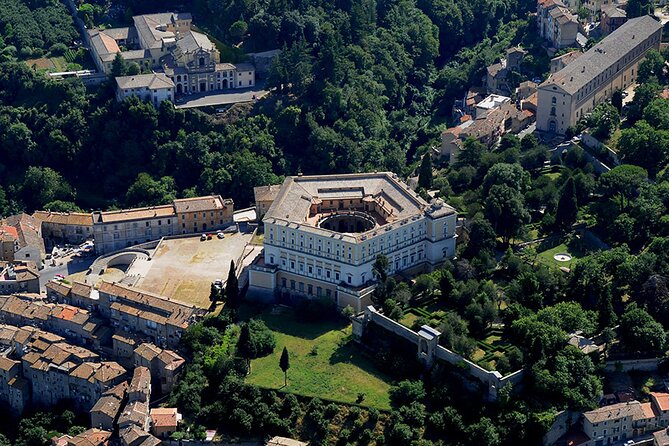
point(571, 93)
point(323, 234)
point(153, 87)
point(166, 43)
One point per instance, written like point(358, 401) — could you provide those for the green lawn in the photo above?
point(546, 257)
point(324, 362)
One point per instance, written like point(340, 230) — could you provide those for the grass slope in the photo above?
point(337, 371)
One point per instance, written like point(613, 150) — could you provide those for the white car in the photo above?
point(203, 237)
point(220, 235)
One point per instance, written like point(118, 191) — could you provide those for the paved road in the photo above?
point(64, 266)
point(223, 98)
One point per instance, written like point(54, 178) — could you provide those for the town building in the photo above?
point(486, 128)
point(104, 414)
point(612, 18)
point(40, 368)
point(77, 325)
point(264, 196)
point(154, 88)
point(164, 421)
point(145, 315)
point(115, 230)
point(499, 75)
point(21, 239)
point(556, 23)
point(571, 93)
point(166, 44)
point(324, 232)
point(90, 437)
point(165, 365)
point(19, 277)
point(65, 227)
point(559, 62)
point(126, 314)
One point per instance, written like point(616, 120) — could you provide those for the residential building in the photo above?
point(165, 365)
point(166, 43)
point(140, 385)
point(135, 413)
point(525, 90)
point(490, 103)
point(135, 436)
point(115, 230)
point(154, 88)
point(612, 18)
point(77, 325)
point(202, 214)
point(90, 437)
point(164, 421)
point(571, 93)
point(53, 369)
point(498, 75)
point(487, 129)
point(559, 62)
point(618, 422)
point(661, 438)
point(145, 315)
point(14, 389)
point(324, 232)
point(124, 349)
point(19, 277)
point(65, 227)
point(264, 196)
point(21, 239)
point(556, 23)
point(104, 414)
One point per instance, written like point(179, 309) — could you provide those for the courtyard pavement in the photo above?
point(223, 97)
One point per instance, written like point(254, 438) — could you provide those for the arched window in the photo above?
point(201, 61)
point(552, 111)
point(554, 100)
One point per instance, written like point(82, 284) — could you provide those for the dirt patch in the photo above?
point(41, 63)
point(183, 269)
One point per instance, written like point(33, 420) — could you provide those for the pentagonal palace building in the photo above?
point(323, 234)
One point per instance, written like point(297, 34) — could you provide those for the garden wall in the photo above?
point(626, 365)
point(428, 349)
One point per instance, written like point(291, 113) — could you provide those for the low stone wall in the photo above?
point(626, 365)
point(428, 349)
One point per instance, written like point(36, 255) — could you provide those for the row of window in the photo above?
point(301, 288)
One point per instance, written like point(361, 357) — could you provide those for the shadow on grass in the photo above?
point(348, 353)
point(287, 323)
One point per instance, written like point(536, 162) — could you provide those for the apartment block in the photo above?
point(571, 93)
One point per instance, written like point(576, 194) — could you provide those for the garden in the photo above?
point(324, 362)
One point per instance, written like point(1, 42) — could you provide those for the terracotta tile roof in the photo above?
point(28, 230)
point(648, 411)
point(156, 308)
point(618, 411)
point(166, 210)
point(170, 360)
point(661, 400)
point(164, 417)
point(65, 218)
point(266, 193)
point(109, 371)
point(9, 231)
point(661, 438)
point(91, 437)
point(199, 204)
point(147, 351)
point(59, 287)
point(141, 382)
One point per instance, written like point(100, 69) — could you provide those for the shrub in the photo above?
point(315, 310)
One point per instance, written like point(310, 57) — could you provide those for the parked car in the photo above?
point(203, 237)
point(220, 235)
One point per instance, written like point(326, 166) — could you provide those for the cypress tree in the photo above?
point(567, 209)
point(425, 172)
point(284, 363)
point(232, 299)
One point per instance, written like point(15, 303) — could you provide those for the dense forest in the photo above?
point(359, 86)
